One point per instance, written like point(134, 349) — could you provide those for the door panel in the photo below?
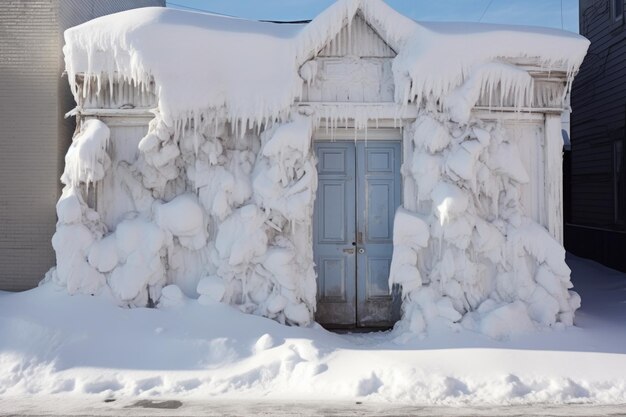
point(378, 197)
point(333, 234)
point(358, 194)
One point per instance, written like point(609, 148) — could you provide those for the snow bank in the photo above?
point(63, 349)
point(433, 59)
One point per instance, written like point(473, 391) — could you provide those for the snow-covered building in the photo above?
point(34, 135)
point(350, 170)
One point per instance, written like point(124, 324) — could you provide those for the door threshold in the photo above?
point(349, 330)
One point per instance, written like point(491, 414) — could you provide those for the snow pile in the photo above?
point(86, 159)
point(139, 272)
point(210, 216)
point(263, 251)
point(410, 234)
point(79, 226)
point(474, 258)
point(285, 182)
point(151, 44)
point(130, 259)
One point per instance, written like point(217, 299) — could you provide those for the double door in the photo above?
point(358, 193)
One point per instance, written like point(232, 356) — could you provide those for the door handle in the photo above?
point(349, 251)
point(361, 251)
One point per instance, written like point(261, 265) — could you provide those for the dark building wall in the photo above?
point(33, 134)
point(596, 206)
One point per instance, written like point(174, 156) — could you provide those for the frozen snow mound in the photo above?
point(86, 159)
point(470, 257)
point(216, 53)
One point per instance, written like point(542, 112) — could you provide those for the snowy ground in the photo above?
point(82, 348)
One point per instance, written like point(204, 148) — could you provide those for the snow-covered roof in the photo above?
point(202, 62)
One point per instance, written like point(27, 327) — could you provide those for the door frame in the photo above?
point(352, 134)
point(341, 134)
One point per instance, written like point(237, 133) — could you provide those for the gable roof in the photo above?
point(248, 69)
point(357, 39)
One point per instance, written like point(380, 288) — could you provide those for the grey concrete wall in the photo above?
point(29, 76)
point(33, 134)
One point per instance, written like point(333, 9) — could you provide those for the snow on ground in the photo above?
point(74, 346)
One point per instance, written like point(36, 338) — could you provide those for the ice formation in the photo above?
point(224, 184)
point(149, 44)
point(470, 255)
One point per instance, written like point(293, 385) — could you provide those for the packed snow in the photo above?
point(86, 347)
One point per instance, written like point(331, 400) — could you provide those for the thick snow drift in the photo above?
point(83, 346)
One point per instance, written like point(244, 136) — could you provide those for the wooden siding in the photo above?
point(548, 93)
point(599, 111)
point(351, 79)
point(355, 67)
point(116, 95)
point(358, 39)
point(33, 134)
point(597, 122)
point(528, 134)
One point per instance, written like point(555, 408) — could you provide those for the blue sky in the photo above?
point(521, 12)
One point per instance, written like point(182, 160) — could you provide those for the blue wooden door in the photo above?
point(378, 189)
point(334, 234)
point(358, 193)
